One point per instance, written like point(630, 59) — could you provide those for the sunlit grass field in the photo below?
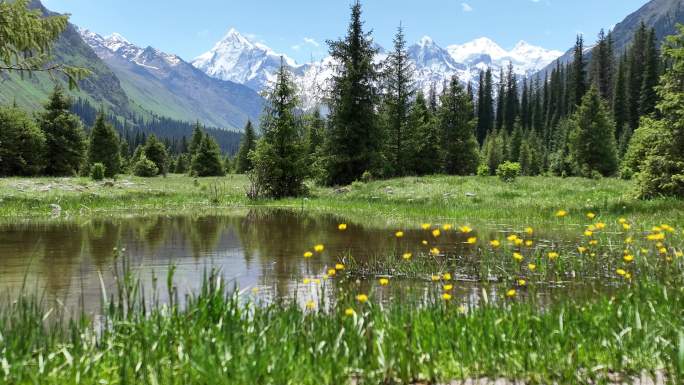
point(411, 200)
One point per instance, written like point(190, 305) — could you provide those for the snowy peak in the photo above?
point(476, 48)
point(116, 44)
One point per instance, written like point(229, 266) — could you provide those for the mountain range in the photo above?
point(237, 58)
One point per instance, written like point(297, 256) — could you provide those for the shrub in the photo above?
point(508, 171)
point(98, 171)
point(483, 170)
point(367, 177)
point(145, 167)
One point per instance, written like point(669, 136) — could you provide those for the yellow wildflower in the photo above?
point(626, 226)
point(319, 248)
point(307, 281)
point(511, 293)
point(425, 243)
point(339, 266)
point(472, 240)
point(679, 254)
point(447, 227)
point(399, 234)
point(332, 272)
point(553, 255)
point(495, 243)
point(529, 243)
point(588, 233)
point(628, 258)
point(448, 287)
point(426, 226)
point(435, 278)
point(591, 215)
point(311, 305)
point(363, 298)
point(518, 257)
point(512, 238)
point(529, 230)
point(384, 281)
point(600, 225)
point(518, 242)
point(446, 276)
point(434, 251)
point(465, 229)
point(655, 237)
point(522, 282)
point(582, 249)
point(532, 267)
point(436, 233)
point(593, 242)
point(561, 213)
point(662, 250)
point(349, 312)
point(629, 240)
point(621, 272)
point(407, 256)
point(622, 220)
point(342, 226)
point(308, 254)
point(446, 297)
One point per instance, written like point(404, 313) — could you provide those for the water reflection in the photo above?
point(257, 248)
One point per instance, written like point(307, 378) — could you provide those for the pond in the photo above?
point(259, 251)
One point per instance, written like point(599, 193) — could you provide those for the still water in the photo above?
point(259, 251)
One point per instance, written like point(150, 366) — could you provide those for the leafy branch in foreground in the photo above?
point(26, 39)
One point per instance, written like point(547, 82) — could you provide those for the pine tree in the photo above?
point(620, 100)
point(501, 101)
point(207, 159)
point(511, 106)
point(577, 75)
point(485, 106)
point(649, 97)
point(635, 75)
point(156, 152)
point(315, 132)
point(355, 140)
point(243, 162)
point(602, 65)
point(105, 147)
point(426, 157)
point(280, 159)
point(64, 136)
point(662, 172)
point(196, 139)
point(461, 155)
point(22, 144)
point(399, 91)
point(592, 142)
point(494, 151)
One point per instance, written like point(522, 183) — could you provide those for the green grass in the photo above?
point(219, 337)
point(410, 200)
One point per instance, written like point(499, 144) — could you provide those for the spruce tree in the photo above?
point(243, 163)
point(426, 157)
point(399, 91)
point(577, 75)
point(501, 101)
point(196, 139)
point(156, 152)
point(280, 160)
point(207, 159)
point(64, 136)
point(315, 133)
point(620, 100)
point(511, 106)
point(592, 142)
point(461, 155)
point(105, 147)
point(355, 139)
point(662, 173)
point(635, 75)
point(485, 106)
point(649, 97)
point(494, 151)
point(22, 144)
point(602, 65)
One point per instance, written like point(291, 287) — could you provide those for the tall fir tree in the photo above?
point(243, 162)
point(105, 146)
point(592, 140)
point(461, 151)
point(649, 96)
point(577, 76)
point(280, 160)
point(635, 75)
point(512, 105)
point(501, 101)
point(399, 92)
point(620, 100)
point(64, 136)
point(602, 65)
point(426, 154)
point(196, 139)
point(485, 106)
point(207, 159)
point(355, 138)
point(22, 144)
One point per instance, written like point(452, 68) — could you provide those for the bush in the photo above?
point(508, 171)
point(98, 171)
point(367, 177)
point(483, 170)
point(145, 167)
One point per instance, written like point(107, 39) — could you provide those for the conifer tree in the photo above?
point(485, 106)
point(426, 157)
point(196, 139)
point(64, 136)
point(156, 152)
point(602, 65)
point(577, 75)
point(620, 99)
point(22, 144)
point(501, 101)
point(207, 159)
point(315, 132)
point(105, 146)
point(494, 150)
point(280, 159)
point(243, 163)
point(511, 106)
point(461, 155)
point(592, 142)
point(635, 75)
point(355, 140)
point(662, 172)
point(649, 97)
point(399, 91)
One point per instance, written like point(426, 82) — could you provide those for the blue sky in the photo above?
point(299, 28)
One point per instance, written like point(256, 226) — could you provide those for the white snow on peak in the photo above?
point(116, 44)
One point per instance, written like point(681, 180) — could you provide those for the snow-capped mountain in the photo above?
point(167, 85)
point(239, 59)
